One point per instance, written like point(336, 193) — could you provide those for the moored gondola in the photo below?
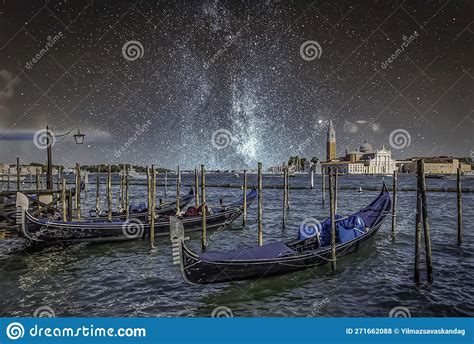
point(140, 211)
point(281, 257)
point(55, 232)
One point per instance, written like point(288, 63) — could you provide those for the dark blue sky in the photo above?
point(225, 83)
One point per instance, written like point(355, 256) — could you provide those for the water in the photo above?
point(130, 279)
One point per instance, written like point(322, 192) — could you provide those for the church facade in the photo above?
point(365, 160)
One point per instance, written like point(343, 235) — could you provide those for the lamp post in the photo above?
point(78, 137)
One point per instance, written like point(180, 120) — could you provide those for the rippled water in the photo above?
point(130, 279)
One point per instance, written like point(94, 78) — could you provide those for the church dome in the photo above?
point(366, 147)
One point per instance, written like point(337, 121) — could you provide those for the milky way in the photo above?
point(234, 70)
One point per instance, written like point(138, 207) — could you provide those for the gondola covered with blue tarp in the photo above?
point(309, 250)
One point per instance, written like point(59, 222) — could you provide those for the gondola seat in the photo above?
point(269, 251)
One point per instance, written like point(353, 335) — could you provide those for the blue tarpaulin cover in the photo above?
point(346, 229)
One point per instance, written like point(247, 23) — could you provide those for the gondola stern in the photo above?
point(178, 246)
point(22, 205)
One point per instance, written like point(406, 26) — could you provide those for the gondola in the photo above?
point(281, 257)
point(140, 211)
point(55, 232)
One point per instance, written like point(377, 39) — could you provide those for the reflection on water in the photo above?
point(130, 279)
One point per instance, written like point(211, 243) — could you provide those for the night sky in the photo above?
point(229, 83)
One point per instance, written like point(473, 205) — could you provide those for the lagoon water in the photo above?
point(129, 279)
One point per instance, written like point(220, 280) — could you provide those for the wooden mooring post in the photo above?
point(38, 176)
point(122, 189)
point(18, 172)
point(332, 210)
point(8, 179)
point(148, 188)
point(78, 191)
point(421, 187)
point(178, 190)
point(203, 209)
point(69, 206)
point(244, 218)
point(416, 276)
point(153, 205)
point(109, 192)
point(64, 200)
point(287, 189)
point(323, 186)
point(127, 191)
point(336, 188)
point(59, 178)
point(166, 184)
point(285, 195)
point(394, 204)
point(260, 204)
point(196, 188)
point(459, 208)
point(97, 192)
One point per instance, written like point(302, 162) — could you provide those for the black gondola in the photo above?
point(277, 258)
point(51, 232)
point(141, 211)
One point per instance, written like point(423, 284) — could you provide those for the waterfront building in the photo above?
point(365, 160)
point(436, 165)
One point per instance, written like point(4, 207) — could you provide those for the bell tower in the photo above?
point(331, 143)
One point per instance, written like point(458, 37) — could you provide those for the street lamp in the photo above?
point(78, 137)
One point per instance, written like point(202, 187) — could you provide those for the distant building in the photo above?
point(436, 165)
point(331, 143)
point(364, 160)
point(276, 169)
